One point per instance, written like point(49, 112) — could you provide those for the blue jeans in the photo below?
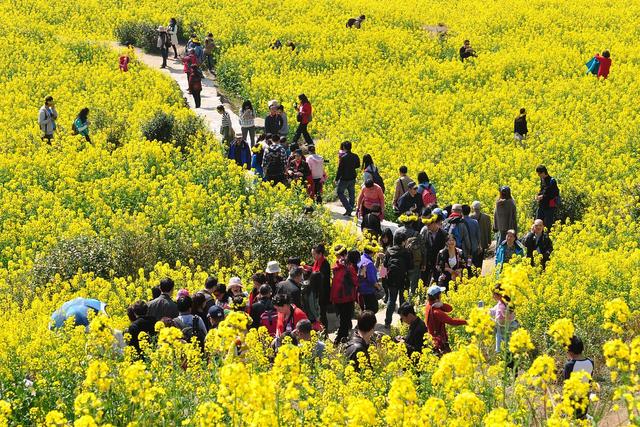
point(547, 215)
point(391, 303)
point(350, 186)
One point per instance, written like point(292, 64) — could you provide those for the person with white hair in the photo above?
point(485, 231)
point(537, 240)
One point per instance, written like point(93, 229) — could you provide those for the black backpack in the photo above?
point(191, 330)
point(377, 179)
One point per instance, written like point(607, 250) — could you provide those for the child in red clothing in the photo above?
point(438, 319)
point(605, 63)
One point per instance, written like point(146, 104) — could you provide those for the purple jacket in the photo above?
point(366, 285)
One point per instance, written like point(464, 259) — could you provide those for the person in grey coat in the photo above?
point(505, 215)
point(47, 119)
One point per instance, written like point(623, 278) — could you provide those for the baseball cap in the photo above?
point(435, 290)
point(216, 312)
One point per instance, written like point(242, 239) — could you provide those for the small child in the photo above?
point(577, 363)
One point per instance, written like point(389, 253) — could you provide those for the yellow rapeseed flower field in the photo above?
point(110, 218)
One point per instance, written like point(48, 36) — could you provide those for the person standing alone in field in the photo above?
point(303, 117)
point(81, 124)
point(47, 117)
point(548, 197)
point(466, 51)
point(520, 129)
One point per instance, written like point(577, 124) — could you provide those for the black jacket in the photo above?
point(272, 124)
point(290, 288)
point(415, 338)
point(549, 191)
point(257, 308)
point(542, 245)
point(163, 306)
point(433, 246)
point(325, 292)
point(408, 203)
point(348, 167)
point(356, 345)
point(398, 262)
point(372, 223)
point(141, 324)
point(520, 125)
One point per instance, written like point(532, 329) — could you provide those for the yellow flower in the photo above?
point(562, 330)
point(520, 342)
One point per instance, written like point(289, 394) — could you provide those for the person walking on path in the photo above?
point(322, 266)
point(163, 43)
point(450, 263)
point(172, 31)
point(537, 240)
point(504, 215)
point(187, 62)
point(370, 195)
point(195, 84)
point(435, 239)
point(318, 174)
point(303, 117)
point(548, 197)
point(437, 319)
point(346, 175)
point(47, 117)
point(81, 124)
point(474, 236)
point(605, 63)
point(411, 201)
point(247, 118)
point(209, 46)
point(520, 129)
point(371, 171)
point(226, 130)
point(427, 191)
point(401, 186)
point(367, 280)
point(274, 163)
point(397, 261)
point(344, 290)
point(484, 221)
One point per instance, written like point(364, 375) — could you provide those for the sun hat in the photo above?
point(161, 28)
point(435, 290)
point(235, 281)
point(273, 267)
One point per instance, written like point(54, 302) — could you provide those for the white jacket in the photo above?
point(47, 119)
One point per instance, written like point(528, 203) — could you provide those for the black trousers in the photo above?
point(369, 302)
point(302, 130)
point(196, 98)
point(345, 314)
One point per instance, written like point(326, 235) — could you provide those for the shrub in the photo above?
point(139, 34)
point(573, 203)
point(159, 127)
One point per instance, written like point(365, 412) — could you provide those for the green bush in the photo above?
point(573, 203)
point(139, 34)
point(159, 127)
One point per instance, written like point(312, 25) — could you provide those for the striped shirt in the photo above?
point(247, 118)
point(226, 120)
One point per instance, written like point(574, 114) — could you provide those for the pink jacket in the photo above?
point(370, 197)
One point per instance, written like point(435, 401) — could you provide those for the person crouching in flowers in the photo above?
point(504, 317)
point(344, 290)
point(450, 263)
point(298, 169)
point(437, 320)
point(507, 249)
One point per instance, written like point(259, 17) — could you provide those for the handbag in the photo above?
point(593, 66)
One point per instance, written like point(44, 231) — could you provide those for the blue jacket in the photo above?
point(256, 163)
point(474, 233)
point(243, 157)
point(366, 285)
point(520, 250)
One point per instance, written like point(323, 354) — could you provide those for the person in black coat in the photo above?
point(520, 129)
point(292, 286)
point(548, 197)
point(538, 241)
point(361, 339)
point(411, 201)
point(435, 239)
point(273, 122)
point(371, 222)
point(142, 323)
point(414, 341)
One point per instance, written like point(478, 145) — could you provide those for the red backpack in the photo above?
point(269, 319)
point(429, 195)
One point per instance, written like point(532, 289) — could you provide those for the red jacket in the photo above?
point(305, 112)
point(437, 319)
point(369, 197)
point(605, 65)
point(342, 290)
point(281, 325)
point(188, 61)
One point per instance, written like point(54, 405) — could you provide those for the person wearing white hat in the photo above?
point(437, 319)
point(273, 275)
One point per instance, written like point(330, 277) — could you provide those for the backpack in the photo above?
point(429, 195)
point(414, 245)
point(377, 179)
point(269, 319)
point(396, 270)
point(454, 228)
point(190, 330)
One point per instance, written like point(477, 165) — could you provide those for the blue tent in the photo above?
point(77, 308)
